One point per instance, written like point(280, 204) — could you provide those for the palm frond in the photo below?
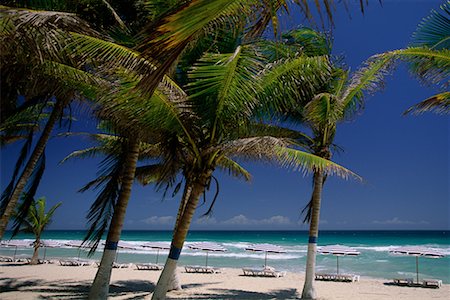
point(306, 162)
point(434, 31)
point(308, 41)
point(368, 79)
point(7, 193)
point(29, 193)
point(223, 86)
point(101, 210)
point(431, 66)
point(439, 103)
point(289, 83)
point(233, 168)
point(324, 109)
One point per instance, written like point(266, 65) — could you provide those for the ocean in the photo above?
point(375, 261)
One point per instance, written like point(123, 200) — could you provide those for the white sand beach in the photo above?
point(52, 281)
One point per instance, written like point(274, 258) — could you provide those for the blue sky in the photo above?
point(404, 160)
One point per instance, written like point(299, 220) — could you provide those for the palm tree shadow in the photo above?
point(242, 294)
point(133, 289)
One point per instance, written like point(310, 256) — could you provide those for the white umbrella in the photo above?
point(16, 244)
point(418, 251)
point(267, 248)
point(338, 250)
point(77, 244)
point(207, 246)
point(158, 246)
point(48, 244)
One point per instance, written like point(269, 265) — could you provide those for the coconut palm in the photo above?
point(36, 221)
point(36, 66)
point(222, 93)
point(135, 119)
point(322, 109)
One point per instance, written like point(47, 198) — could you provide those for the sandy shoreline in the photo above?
point(53, 281)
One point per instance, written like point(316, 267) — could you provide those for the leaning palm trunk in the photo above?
point(193, 191)
point(309, 291)
point(100, 286)
point(35, 258)
point(31, 164)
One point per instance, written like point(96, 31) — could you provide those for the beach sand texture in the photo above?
point(52, 281)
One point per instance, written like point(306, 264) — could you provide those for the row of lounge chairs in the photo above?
point(337, 277)
point(257, 272)
point(429, 283)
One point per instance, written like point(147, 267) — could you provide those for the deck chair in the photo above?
point(201, 269)
point(149, 266)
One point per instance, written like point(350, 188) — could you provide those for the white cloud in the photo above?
point(239, 220)
point(397, 221)
point(155, 220)
point(206, 221)
point(243, 220)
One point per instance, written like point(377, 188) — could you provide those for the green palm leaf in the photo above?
point(439, 103)
point(223, 86)
point(281, 82)
point(434, 31)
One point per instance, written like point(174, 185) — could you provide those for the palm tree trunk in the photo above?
point(309, 291)
point(100, 287)
point(180, 232)
point(28, 170)
point(35, 258)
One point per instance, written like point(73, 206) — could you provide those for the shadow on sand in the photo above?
point(130, 289)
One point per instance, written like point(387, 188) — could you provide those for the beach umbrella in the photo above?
point(158, 246)
point(338, 250)
point(208, 247)
point(48, 244)
point(76, 244)
point(121, 245)
point(124, 245)
point(266, 248)
point(16, 244)
point(418, 251)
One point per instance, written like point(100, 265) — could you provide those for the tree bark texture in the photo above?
point(194, 190)
point(100, 287)
point(309, 291)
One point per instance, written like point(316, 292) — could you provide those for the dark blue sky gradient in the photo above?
point(403, 160)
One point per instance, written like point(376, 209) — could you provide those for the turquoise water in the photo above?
point(374, 261)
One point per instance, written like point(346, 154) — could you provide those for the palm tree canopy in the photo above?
point(37, 219)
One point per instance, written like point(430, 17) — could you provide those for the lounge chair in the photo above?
point(120, 265)
point(337, 277)
point(6, 259)
point(403, 281)
point(347, 277)
point(265, 272)
point(433, 283)
point(45, 261)
point(201, 269)
point(149, 266)
point(74, 263)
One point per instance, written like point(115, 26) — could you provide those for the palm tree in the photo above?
point(36, 221)
point(47, 74)
point(135, 119)
point(322, 109)
point(223, 98)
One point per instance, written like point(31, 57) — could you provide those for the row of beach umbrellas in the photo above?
point(336, 250)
